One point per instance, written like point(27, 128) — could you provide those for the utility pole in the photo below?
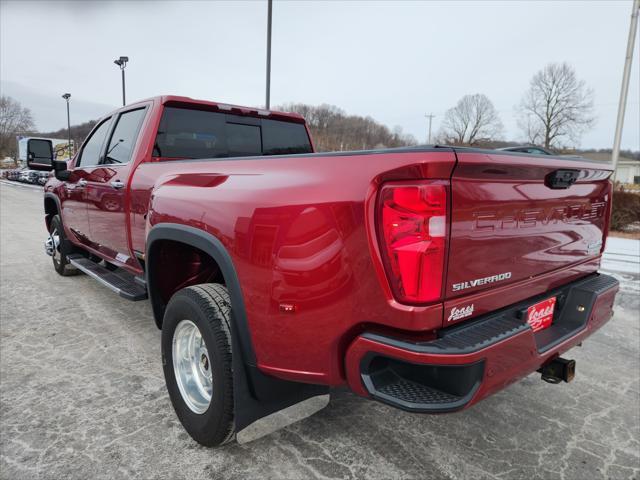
point(615, 154)
point(67, 96)
point(122, 62)
point(269, 11)
point(430, 117)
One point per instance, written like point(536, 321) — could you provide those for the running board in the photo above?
point(126, 288)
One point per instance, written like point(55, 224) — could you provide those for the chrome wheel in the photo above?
point(53, 246)
point(192, 366)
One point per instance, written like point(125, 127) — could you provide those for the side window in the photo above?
point(124, 137)
point(92, 147)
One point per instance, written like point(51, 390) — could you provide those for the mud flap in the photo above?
point(264, 404)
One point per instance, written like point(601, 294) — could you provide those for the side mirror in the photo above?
point(60, 170)
point(40, 154)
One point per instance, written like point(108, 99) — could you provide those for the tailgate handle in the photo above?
point(561, 178)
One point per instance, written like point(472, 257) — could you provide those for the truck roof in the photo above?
point(226, 107)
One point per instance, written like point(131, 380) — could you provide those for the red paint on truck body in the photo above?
point(301, 231)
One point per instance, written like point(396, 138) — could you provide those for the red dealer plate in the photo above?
point(540, 315)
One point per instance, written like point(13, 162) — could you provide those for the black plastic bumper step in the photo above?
point(416, 393)
point(123, 283)
point(474, 335)
point(421, 388)
point(466, 338)
point(444, 387)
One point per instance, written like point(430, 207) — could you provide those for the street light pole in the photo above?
point(67, 96)
point(615, 154)
point(124, 101)
point(268, 93)
point(122, 62)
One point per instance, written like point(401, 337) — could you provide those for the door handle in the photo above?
point(82, 183)
point(117, 184)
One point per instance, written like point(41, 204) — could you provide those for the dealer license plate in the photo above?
point(540, 315)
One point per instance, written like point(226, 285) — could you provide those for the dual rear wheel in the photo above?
point(196, 358)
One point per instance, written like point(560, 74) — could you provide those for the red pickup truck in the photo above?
point(426, 278)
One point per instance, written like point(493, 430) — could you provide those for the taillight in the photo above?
point(412, 222)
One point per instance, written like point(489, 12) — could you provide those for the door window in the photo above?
point(124, 137)
point(93, 147)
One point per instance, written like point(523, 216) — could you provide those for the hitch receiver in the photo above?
point(557, 370)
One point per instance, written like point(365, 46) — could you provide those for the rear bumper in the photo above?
point(469, 362)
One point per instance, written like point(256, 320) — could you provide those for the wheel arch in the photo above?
point(51, 207)
point(256, 395)
point(212, 246)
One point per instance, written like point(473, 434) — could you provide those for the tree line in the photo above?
point(78, 132)
point(333, 130)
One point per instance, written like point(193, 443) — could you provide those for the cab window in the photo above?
point(124, 137)
point(93, 146)
point(188, 133)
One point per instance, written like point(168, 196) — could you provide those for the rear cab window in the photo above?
point(186, 133)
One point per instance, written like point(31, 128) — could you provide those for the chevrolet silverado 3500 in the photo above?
point(426, 278)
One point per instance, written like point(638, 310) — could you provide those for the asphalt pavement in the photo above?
point(82, 396)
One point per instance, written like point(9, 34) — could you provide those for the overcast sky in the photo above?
point(391, 60)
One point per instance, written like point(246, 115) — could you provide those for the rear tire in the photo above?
point(60, 260)
point(204, 351)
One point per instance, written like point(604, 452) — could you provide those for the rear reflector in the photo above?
point(412, 221)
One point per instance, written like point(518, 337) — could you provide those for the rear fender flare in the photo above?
point(215, 249)
point(66, 246)
point(256, 395)
point(56, 200)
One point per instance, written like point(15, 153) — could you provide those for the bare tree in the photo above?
point(474, 119)
point(556, 106)
point(14, 120)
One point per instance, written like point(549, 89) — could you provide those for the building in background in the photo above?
point(628, 171)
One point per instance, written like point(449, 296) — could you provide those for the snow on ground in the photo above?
point(622, 255)
point(621, 259)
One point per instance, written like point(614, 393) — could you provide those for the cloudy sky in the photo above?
point(394, 61)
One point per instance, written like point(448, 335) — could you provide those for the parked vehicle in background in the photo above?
point(427, 278)
point(14, 174)
point(34, 177)
point(43, 177)
point(531, 149)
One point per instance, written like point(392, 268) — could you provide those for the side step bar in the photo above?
point(124, 284)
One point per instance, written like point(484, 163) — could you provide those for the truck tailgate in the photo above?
point(509, 222)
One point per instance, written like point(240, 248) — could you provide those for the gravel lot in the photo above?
point(82, 396)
